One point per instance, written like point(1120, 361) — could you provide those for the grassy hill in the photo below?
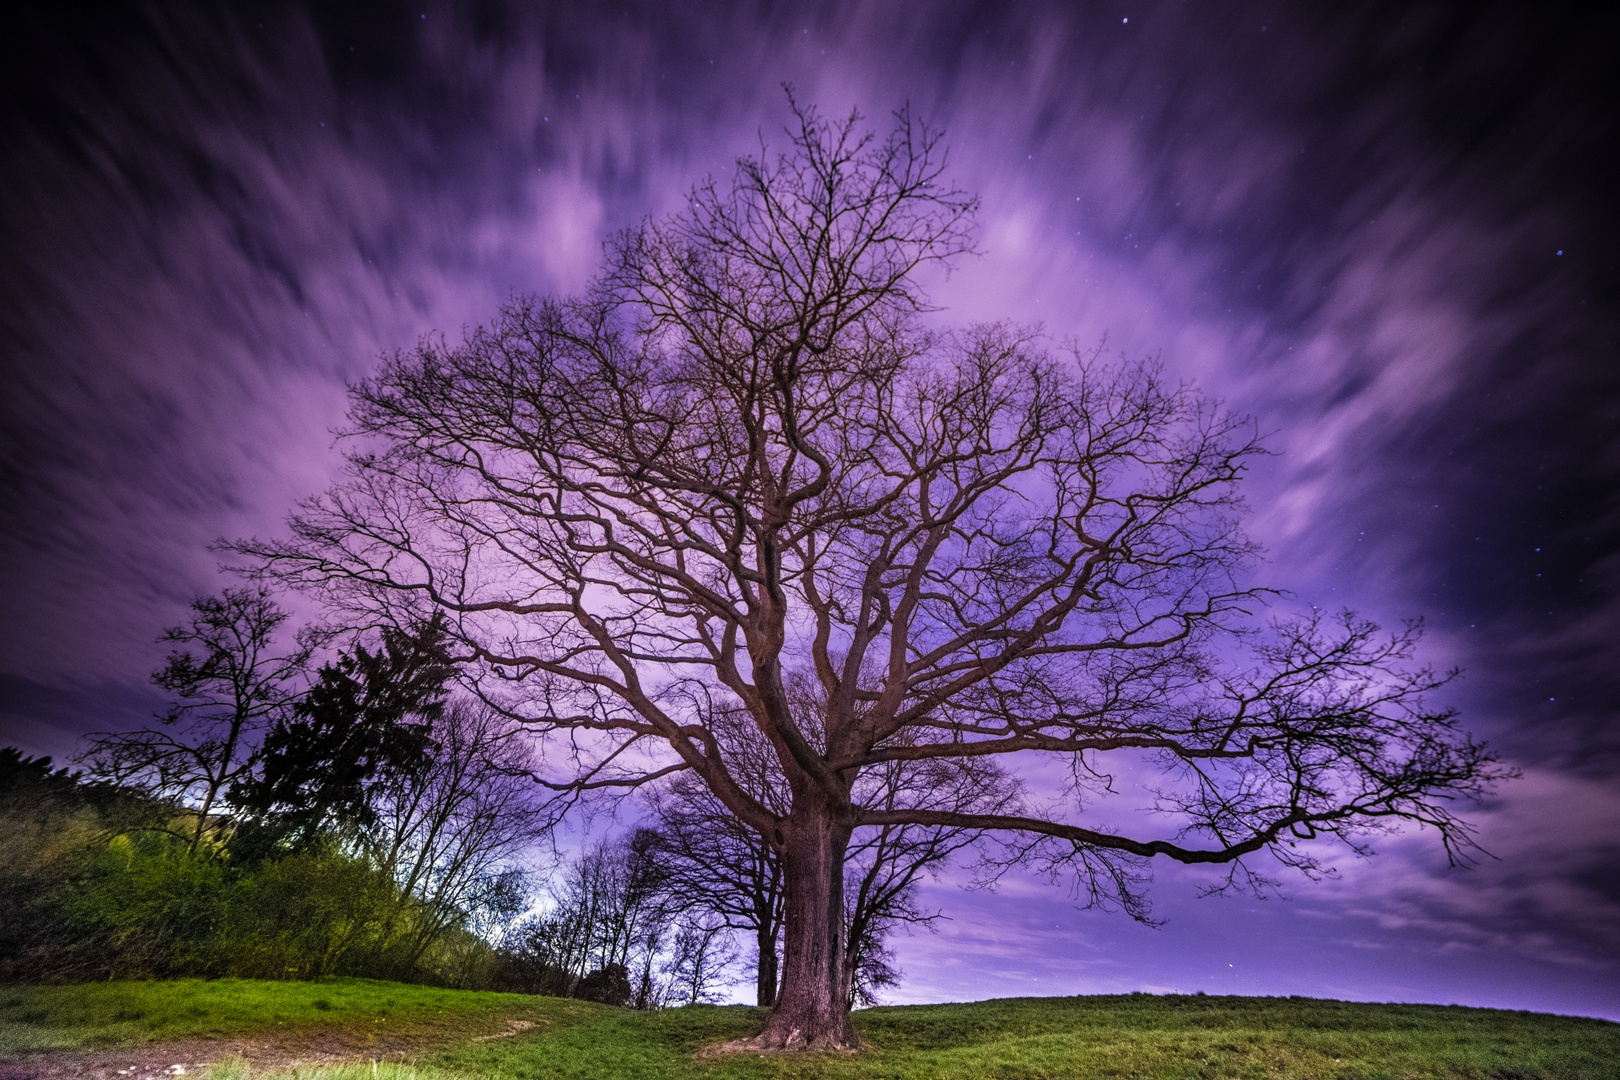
point(252, 1029)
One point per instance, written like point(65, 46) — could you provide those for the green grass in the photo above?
point(1141, 1036)
point(36, 1018)
point(359, 1071)
point(1133, 1036)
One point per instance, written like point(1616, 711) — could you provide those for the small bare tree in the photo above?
point(229, 681)
point(699, 957)
point(886, 863)
point(712, 862)
point(453, 832)
point(609, 915)
point(745, 457)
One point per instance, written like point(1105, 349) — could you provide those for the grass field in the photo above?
point(34, 1018)
point(1134, 1036)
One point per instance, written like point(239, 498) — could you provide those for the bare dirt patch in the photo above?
point(513, 1027)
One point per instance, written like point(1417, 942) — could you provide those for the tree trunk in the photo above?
point(766, 983)
point(811, 1012)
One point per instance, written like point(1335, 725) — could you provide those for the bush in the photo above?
point(146, 906)
point(79, 900)
point(316, 913)
point(55, 825)
point(610, 985)
point(100, 881)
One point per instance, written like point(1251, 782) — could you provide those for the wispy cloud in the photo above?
point(210, 224)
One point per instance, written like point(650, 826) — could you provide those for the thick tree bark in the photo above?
point(812, 1011)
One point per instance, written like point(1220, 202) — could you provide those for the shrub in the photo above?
point(610, 985)
point(148, 906)
point(315, 913)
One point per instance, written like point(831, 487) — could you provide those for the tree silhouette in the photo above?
point(746, 456)
point(229, 682)
point(365, 725)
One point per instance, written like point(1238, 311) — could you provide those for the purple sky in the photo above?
point(1387, 235)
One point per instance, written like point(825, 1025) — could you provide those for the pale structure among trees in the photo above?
point(745, 457)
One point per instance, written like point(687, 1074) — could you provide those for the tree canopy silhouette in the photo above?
point(748, 458)
point(368, 718)
point(230, 682)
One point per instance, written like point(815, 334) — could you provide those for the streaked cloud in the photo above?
point(1343, 223)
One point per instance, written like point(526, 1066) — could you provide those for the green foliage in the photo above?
point(53, 822)
point(315, 913)
point(384, 838)
point(91, 889)
point(146, 904)
point(361, 828)
point(151, 907)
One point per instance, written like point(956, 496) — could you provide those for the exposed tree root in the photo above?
point(793, 1042)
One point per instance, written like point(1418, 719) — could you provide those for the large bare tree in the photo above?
point(749, 455)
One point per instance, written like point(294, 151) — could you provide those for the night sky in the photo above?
point(1387, 234)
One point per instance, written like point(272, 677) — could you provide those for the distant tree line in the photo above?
point(276, 822)
point(360, 817)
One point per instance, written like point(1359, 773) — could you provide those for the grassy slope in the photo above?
point(1123, 1036)
point(113, 1013)
point(1126, 1036)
